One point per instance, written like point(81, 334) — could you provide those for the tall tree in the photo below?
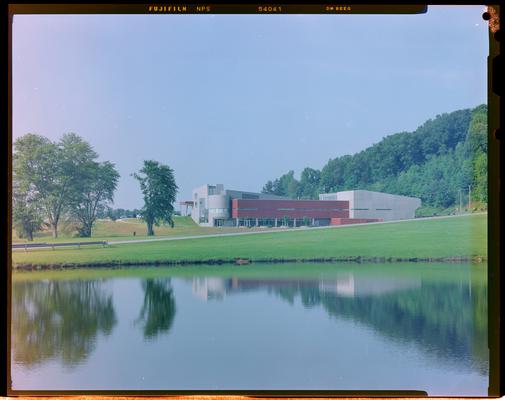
point(476, 148)
point(50, 170)
point(309, 183)
point(158, 186)
point(36, 170)
point(287, 185)
point(268, 188)
point(97, 184)
point(26, 216)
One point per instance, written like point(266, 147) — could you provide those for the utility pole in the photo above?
point(460, 202)
point(469, 197)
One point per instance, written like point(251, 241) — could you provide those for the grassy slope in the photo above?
point(462, 236)
point(118, 230)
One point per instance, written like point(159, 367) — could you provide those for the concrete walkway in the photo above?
point(281, 230)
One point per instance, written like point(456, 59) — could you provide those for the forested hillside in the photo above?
point(438, 163)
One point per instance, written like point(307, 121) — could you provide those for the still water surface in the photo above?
point(271, 327)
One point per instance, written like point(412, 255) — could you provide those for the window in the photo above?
point(217, 210)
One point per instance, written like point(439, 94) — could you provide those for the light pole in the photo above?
point(469, 197)
point(460, 202)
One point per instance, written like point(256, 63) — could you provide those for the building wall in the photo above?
point(376, 205)
point(213, 202)
point(199, 196)
point(291, 208)
point(239, 194)
point(348, 221)
point(219, 207)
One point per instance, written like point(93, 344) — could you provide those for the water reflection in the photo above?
point(59, 319)
point(346, 285)
point(158, 311)
point(447, 320)
point(441, 313)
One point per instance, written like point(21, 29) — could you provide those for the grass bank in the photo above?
point(106, 230)
point(418, 239)
point(431, 271)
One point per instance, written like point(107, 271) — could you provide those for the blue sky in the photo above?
point(241, 99)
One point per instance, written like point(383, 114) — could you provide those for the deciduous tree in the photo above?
point(97, 184)
point(50, 171)
point(158, 186)
point(26, 216)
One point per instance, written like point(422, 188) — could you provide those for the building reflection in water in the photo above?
point(446, 319)
point(346, 285)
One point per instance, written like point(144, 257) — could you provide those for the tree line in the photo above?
point(439, 161)
point(64, 181)
point(117, 213)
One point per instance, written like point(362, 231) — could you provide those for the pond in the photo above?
point(253, 327)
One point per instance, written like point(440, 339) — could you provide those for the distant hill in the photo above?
point(437, 162)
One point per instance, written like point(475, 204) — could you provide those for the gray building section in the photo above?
point(368, 204)
point(212, 204)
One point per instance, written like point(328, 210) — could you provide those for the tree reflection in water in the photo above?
point(447, 320)
point(58, 319)
point(158, 311)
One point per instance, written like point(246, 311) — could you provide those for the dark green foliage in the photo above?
point(38, 169)
point(286, 185)
point(268, 188)
point(309, 184)
point(476, 150)
point(438, 162)
point(97, 183)
point(158, 186)
point(62, 178)
point(26, 216)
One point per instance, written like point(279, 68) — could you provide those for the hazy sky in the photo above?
point(241, 99)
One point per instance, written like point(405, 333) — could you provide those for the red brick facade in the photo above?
point(242, 208)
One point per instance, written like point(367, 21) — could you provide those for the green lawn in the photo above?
point(450, 237)
point(106, 230)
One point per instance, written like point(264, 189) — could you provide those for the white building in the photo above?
point(368, 204)
point(212, 204)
